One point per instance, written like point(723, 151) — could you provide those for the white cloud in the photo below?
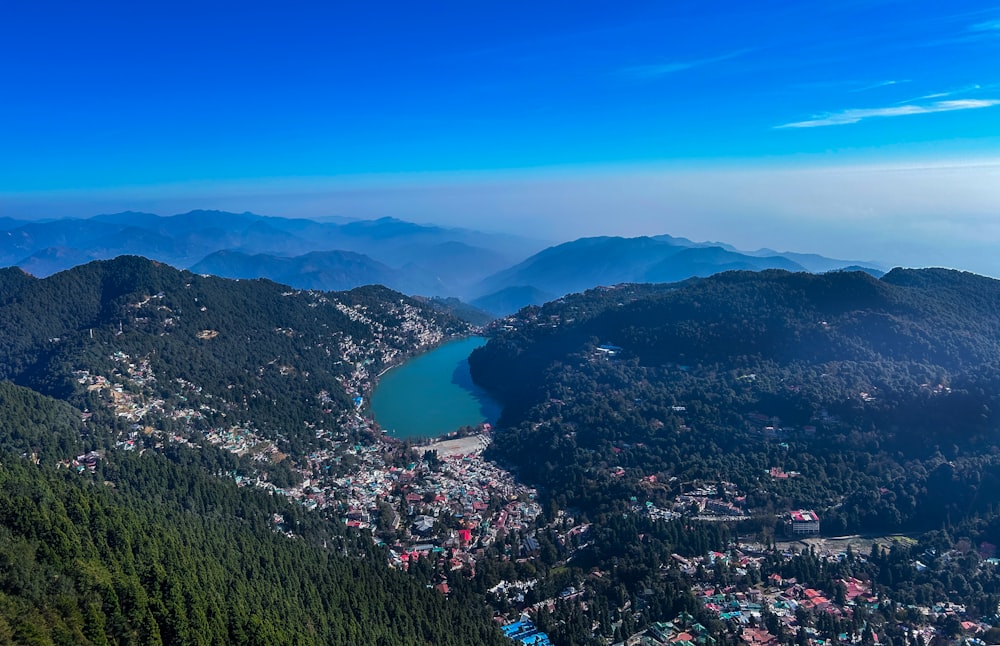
point(663, 69)
point(968, 89)
point(855, 115)
point(936, 95)
point(875, 86)
point(991, 25)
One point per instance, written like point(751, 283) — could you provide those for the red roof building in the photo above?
point(803, 522)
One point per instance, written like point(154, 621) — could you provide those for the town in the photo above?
point(441, 505)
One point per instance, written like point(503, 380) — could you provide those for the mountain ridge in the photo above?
point(741, 370)
point(413, 258)
point(608, 260)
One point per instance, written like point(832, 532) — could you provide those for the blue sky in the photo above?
point(831, 127)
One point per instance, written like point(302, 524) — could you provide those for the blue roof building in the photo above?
point(524, 631)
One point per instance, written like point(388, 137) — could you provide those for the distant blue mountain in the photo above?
point(500, 272)
point(322, 270)
point(434, 261)
point(50, 260)
point(511, 299)
point(588, 262)
point(818, 264)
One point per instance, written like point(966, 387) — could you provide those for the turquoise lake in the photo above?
point(433, 394)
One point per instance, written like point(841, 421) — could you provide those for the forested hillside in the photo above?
point(136, 549)
point(158, 343)
point(879, 396)
point(124, 515)
point(199, 480)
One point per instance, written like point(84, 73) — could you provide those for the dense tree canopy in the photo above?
point(880, 393)
point(102, 545)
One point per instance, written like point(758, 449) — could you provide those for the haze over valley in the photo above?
point(497, 272)
point(449, 323)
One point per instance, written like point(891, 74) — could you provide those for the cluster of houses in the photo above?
point(782, 597)
point(354, 477)
point(684, 630)
point(122, 390)
point(456, 509)
point(713, 501)
point(86, 462)
point(412, 331)
point(452, 508)
point(743, 608)
point(751, 610)
point(524, 631)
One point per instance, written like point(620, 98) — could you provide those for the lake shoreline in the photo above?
point(431, 394)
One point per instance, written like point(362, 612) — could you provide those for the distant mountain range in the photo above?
point(328, 255)
point(498, 273)
point(324, 270)
point(510, 299)
point(589, 262)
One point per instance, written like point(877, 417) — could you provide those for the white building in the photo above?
point(803, 522)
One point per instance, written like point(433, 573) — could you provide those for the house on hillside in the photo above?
point(423, 524)
point(802, 522)
point(609, 350)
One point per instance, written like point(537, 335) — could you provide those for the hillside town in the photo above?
point(441, 499)
point(447, 505)
point(759, 609)
point(443, 505)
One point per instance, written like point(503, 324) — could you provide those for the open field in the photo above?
point(860, 544)
point(458, 446)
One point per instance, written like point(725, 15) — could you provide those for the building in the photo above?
point(609, 349)
point(423, 524)
point(524, 631)
point(802, 522)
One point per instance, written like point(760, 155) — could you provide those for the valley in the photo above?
point(650, 457)
point(500, 324)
